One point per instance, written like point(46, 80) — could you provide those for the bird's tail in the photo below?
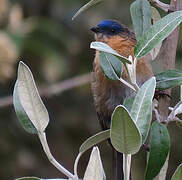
point(117, 166)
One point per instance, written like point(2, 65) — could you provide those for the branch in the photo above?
point(166, 59)
point(165, 7)
point(58, 88)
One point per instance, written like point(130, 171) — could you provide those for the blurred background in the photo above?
point(42, 34)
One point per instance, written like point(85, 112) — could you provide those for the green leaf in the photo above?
point(110, 65)
point(30, 99)
point(128, 102)
point(94, 169)
point(157, 33)
point(28, 178)
point(85, 7)
point(93, 140)
point(21, 114)
point(178, 173)
point(141, 110)
point(155, 17)
point(100, 46)
point(125, 136)
point(163, 171)
point(168, 79)
point(141, 17)
point(159, 149)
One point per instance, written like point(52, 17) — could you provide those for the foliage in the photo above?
point(130, 122)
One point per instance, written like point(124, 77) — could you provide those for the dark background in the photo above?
point(42, 34)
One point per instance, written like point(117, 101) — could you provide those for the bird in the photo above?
point(107, 94)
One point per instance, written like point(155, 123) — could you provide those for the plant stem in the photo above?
point(126, 166)
point(43, 140)
point(76, 165)
point(127, 84)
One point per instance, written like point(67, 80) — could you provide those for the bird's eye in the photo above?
point(113, 30)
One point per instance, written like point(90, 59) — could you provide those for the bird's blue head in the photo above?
point(108, 27)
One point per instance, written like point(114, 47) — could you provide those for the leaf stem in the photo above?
point(127, 84)
point(76, 165)
point(43, 140)
point(127, 166)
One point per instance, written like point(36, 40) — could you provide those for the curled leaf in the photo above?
point(30, 99)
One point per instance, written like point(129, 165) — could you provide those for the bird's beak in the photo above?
point(96, 29)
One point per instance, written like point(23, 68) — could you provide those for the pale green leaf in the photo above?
point(21, 114)
point(155, 15)
point(178, 173)
point(125, 136)
point(85, 7)
point(94, 169)
point(110, 65)
point(93, 140)
point(28, 178)
point(128, 102)
point(157, 33)
point(141, 17)
point(100, 46)
point(159, 149)
point(141, 110)
point(30, 99)
point(168, 79)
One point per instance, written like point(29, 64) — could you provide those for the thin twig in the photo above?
point(157, 115)
point(48, 91)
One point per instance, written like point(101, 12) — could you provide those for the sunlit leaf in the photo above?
point(100, 46)
point(168, 79)
point(30, 99)
point(141, 110)
point(110, 65)
point(94, 169)
point(21, 114)
point(125, 136)
point(85, 7)
point(141, 17)
point(157, 33)
point(159, 149)
point(178, 173)
point(93, 140)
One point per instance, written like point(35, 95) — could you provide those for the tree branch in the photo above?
point(165, 7)
point(48, 91)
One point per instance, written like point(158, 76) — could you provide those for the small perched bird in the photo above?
point(108, 93)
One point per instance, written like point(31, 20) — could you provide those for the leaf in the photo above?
point(157, 33)
point(28, 178)
point(85, 7)
point(178, 173)
point(128, 102)
point(163, 171)
point(155, 17)
point(30, 99)
point(94, 169)
point(159, 149)
point(141, 110)
point(93, 140)
point(21, 114)
point(125, 136)
point(141, 17)
point(110, 65)
point(168, 79)
point(100, 46)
